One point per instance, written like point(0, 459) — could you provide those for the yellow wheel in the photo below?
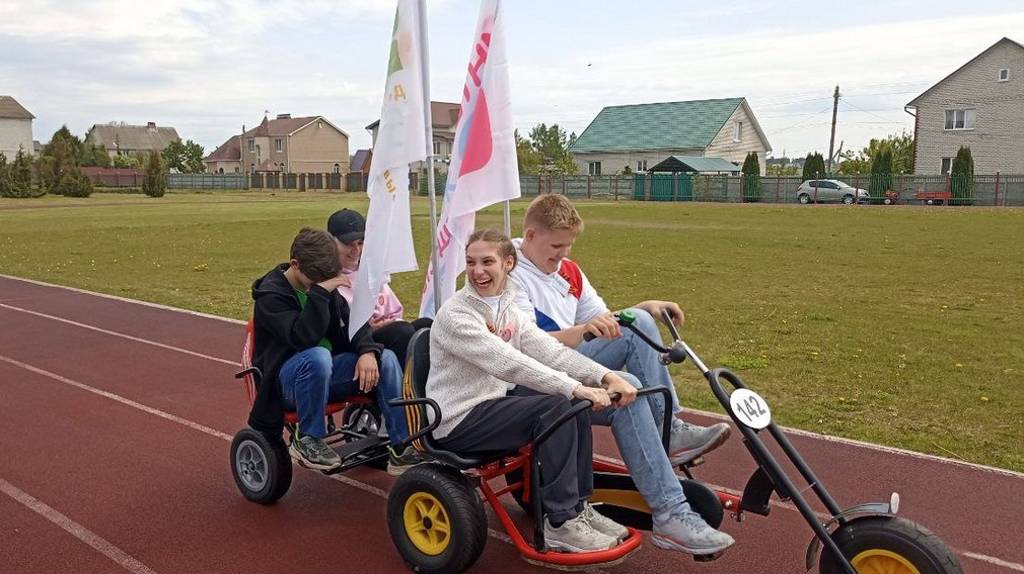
point(426, 523)
point(878, 561)
point(887, 545)
point(436, 520)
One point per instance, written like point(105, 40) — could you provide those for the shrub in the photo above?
point(154, 182)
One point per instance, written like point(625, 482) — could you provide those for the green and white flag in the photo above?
point(401, 140)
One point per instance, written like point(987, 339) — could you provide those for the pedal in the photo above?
point(358, 447)
point(697, 461)
point(707, 557)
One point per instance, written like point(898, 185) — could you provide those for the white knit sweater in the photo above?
point(472, 361)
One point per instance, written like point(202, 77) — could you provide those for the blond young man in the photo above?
point(553, 290)
point(558, 294)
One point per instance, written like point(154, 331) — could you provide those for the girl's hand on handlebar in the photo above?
point(604, 325)
point(616, 384)
point(595, 395)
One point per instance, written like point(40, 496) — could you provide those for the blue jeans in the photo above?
point(629, 352)
point(637, 430)
point(312, 378)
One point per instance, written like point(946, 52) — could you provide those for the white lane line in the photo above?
point(116, 334)
point(97, 542)
point(118, 398)
point(714, 415)
point(369, 488)
point(995, 561)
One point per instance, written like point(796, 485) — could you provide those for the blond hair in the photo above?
point(552, 212)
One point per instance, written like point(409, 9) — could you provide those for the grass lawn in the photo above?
point(895, 325)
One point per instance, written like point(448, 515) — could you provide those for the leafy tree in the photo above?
point(154, 182)
point(901, 147)
point(185, 157)
point(814, 166)
point(881, 174)
point(57, 158)
point(73, 183)
point(751, 178)
point(552, 146)
point(126, 161)
point(962, 177)
point(529, 159)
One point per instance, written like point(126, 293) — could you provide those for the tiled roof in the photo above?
point(667, 125)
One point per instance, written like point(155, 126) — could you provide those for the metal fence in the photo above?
point(207, 181)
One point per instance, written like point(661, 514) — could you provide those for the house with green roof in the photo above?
point(638, 136)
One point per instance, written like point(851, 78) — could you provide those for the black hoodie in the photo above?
point(283, 327)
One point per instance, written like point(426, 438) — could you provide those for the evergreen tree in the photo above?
point(154, 182)
point(881, 174)
point(962, 177)
point(751, 178)
point(814, 166)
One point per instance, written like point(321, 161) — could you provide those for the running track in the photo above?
point(116, 418)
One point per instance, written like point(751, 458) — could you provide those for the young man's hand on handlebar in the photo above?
point(616, 384)
point(604, 325)
point(654, 307)
point(596, 395)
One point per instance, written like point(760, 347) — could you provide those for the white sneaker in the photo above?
point(685, 531)
point(576, 535)
point(603, 524)
point(690, 441)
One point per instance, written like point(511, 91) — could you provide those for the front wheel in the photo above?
point(891, 545)
point(436, 520)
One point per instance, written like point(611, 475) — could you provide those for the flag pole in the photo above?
point(428, 126)
point(508, 219)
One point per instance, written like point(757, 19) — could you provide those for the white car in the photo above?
point(830, 190)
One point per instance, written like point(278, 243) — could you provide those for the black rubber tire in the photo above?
point(276, 466)
point(804, 199)
point(467, 519)
point(911, 541)
point(847, 199)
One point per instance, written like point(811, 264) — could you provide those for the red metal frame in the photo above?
point(502, 467)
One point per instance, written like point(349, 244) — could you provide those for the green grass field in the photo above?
point(900, 326)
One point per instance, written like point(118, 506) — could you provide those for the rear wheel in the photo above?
point(890, 545)
point(804, 198)
point(436, 520)
point(261, 466)
point(847, 199)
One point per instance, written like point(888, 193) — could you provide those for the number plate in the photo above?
point(750, 409)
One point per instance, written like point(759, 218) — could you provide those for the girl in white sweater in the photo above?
point(480, 342)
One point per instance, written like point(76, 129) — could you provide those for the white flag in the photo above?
point(483, 168)
point(401, 140)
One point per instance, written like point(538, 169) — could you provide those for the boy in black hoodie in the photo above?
point(302, 348)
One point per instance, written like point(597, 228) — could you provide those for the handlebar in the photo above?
point(674, 354)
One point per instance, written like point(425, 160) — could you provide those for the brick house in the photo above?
point(981, 105)
point(294, 145)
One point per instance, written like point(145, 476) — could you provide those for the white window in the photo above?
point(437, 148)
point(337, 168)
point(279, 144)
point(641, 165)
point(252, 145)
point(595, 168)
point(947, 163)
point(1004, 75)
point(739, 132)
point(960, 119)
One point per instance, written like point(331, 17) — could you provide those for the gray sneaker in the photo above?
point(312, 452)
point(691, 441)
point(603, 524)
point(399, 463)
point(576, 535)
point(685, 531)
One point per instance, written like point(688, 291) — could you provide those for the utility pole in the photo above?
point(832, 140)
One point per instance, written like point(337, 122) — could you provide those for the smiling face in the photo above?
point(486, 269)
point(350, 253)
point(546, 248)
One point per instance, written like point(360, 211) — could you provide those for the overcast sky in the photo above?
point(207, 67)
